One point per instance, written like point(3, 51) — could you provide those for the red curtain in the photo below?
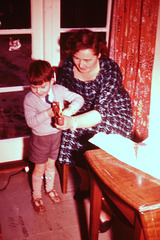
point(132, 46)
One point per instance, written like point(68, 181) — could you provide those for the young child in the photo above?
point(45, 139)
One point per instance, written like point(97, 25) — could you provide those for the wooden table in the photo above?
point(134, 192)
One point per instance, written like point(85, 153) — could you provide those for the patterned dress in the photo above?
point(105, 94)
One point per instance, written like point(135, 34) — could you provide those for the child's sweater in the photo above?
point(35, 107)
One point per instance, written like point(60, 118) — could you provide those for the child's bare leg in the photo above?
point(50, 171)
point(37, 181)
point(50, 174)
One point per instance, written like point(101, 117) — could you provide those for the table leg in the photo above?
point(95, 207)
point(150, 223)
point(138, 232)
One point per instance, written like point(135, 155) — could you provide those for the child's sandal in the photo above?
point(53, 195)
point(38, 205)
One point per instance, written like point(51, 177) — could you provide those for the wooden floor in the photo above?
point(66, 220)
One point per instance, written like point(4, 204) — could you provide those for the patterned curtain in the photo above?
point(132, 46)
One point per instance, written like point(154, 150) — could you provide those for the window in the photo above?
point(40, 42)
point(15, 14)
point(83, 13)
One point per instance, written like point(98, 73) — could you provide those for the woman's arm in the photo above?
point(84, 120)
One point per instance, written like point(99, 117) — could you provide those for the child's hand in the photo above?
point(67, 123)
point(49, 112)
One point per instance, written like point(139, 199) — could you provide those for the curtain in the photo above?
point(132, 46)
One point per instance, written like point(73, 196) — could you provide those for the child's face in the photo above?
point(41, 90)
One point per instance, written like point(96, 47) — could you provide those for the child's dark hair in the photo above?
point(39, 71)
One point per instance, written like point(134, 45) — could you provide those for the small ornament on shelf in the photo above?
point(14, 44)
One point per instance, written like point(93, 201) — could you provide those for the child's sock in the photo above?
point(49, 180)
point(37, 186)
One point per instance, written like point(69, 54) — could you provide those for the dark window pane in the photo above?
point(13, 64)
point(83, 13)
point(12, 121)
point(15, 14)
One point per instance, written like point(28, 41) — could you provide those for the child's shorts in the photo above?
point(44, 147)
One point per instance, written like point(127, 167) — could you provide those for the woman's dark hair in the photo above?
point(39, 71)
point(86, 39)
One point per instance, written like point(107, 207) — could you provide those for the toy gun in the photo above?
point(59, 119)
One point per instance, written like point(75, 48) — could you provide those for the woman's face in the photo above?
point(85, 60)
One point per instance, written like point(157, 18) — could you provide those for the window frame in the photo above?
point(45, 33)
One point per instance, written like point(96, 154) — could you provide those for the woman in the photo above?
point(89, 72)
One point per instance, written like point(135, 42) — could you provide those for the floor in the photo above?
point(66, 220)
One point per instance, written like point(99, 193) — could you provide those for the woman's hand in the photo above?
point(68, 123)
point(84, 120)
